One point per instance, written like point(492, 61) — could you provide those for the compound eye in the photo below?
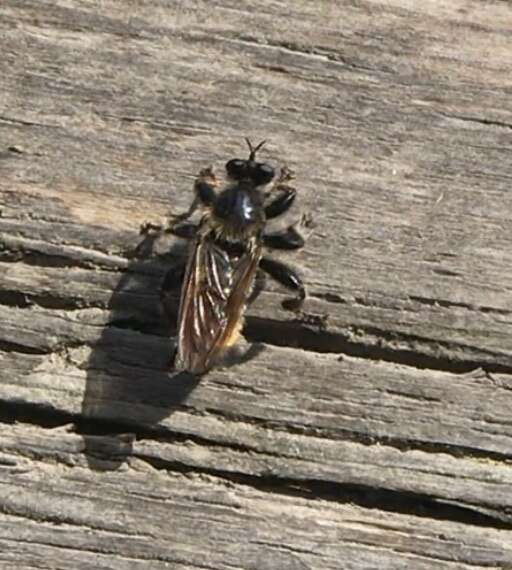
point(263, 173)
point(236, 168)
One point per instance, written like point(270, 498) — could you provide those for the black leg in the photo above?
point(204, 190)
point(177, 218)
point(288, 277)
point(153, 232)
point(285, 195)
point(280, 204)
point(204, 186)
point(289, 238)
point(259, 285)
point(170, 227)
point(185, 230)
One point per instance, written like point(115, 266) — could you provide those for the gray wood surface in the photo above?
point(379, 440)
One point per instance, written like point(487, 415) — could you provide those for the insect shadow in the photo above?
point(130, 388)
point(130, 385)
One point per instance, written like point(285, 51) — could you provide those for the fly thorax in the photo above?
point(238, 212)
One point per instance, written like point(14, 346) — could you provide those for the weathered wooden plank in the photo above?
point(150, 519)
point(375, 425)
point(412, 230)
point(468, 410)
point(396, 118)
point(386, 328)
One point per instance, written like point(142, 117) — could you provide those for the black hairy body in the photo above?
point(225, 255)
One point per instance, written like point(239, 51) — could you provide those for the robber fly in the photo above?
point(225, 255)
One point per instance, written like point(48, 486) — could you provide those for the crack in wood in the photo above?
point(108, 441)
point(297, 333)
point(290, 334)
point(279, 333)
point(401, 444)
point(25, 123)
point(479, 120)
point(433, 302)
point(11, 346)
point(373, 344)
point(421, 505)
point(13, 298)
point(39, 253)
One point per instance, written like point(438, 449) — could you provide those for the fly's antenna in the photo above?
point(255, 149)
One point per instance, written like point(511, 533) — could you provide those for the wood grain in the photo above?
point(381, 439)
point(150, 518)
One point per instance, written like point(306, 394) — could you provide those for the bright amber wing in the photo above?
point(213, 299)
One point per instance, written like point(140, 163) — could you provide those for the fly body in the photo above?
point(226, 253)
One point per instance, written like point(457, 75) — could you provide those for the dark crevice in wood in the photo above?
point(479, 120)
point(293, 48)
point(149, 326)
point(10, 346)
point(45, 416)
point(25, 123)
point(458, 451)
point(24, 300)
point(330, 297)
point(290, 334)
point(72, 257)
point(293, 334)
point(399, 502)
point(446, 272)
point(112, 442)
point(41, 259)
point(41, 416)
point(449, 304)
point(14, 299)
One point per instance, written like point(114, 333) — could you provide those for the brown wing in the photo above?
point(213, 300)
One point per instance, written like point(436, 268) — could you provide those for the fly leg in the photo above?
point(204, 194)
point(259, 286)
point(285, 196)
point(281, 203)
point(290, 237)
point(287, 277)
point(153, 232)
